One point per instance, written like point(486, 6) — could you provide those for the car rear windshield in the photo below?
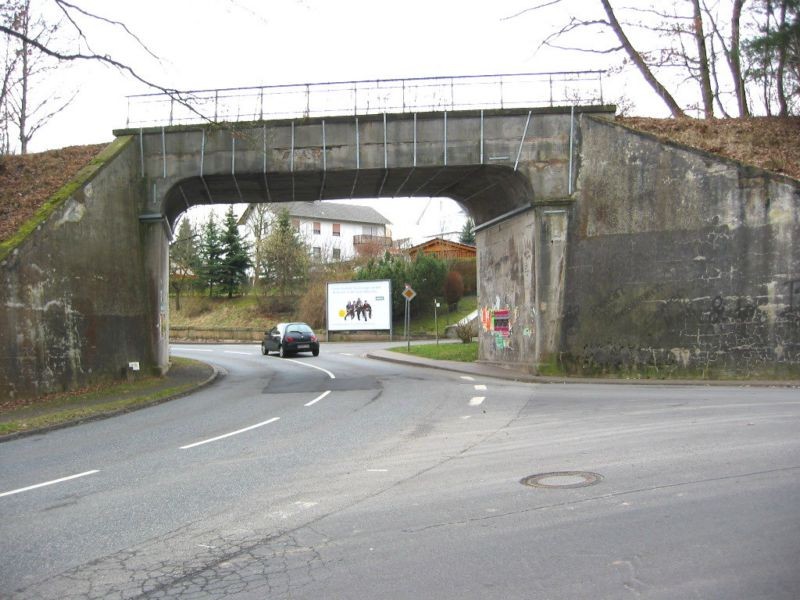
point(299, 329)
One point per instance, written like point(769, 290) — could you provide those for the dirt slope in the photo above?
point(26, 182)
point(771, 143)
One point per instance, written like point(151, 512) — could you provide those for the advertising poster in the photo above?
point(360, 306)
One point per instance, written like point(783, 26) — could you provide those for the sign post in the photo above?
point(436, 320)
point(409, 294)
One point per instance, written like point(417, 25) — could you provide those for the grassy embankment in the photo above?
point(244, 312)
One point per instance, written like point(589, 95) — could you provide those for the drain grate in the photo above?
point(562, 479)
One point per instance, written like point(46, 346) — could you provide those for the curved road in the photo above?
point(343, 477)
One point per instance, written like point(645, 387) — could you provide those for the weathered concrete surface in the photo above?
point(75, 301)
point(679, 261)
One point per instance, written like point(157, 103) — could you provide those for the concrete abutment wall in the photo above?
point(79, 295)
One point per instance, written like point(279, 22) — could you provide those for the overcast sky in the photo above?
point(203, 44)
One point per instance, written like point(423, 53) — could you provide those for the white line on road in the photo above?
point(480, 387)
point(318, 398)
point(300, 362)
point(242, 353)
point(477, 400)
point(38, 485)
point(468, 378)
point(238, 431)
point(191, 349)
point(377, 470)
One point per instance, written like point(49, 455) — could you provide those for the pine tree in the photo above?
point(210, 267)
point(285, 258)
point(468, 232)
point(235, 261)
point(183, 260)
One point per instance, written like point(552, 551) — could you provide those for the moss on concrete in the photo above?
point(84, 176)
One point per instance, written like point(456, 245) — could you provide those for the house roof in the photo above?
point(442, 246)
point(329, 211)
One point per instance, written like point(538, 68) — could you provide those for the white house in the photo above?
point(335, 231)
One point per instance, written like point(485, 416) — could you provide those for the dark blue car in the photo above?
point(290, 338)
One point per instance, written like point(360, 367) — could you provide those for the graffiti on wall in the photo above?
point(499, 323)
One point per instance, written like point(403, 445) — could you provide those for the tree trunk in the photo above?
point(735, 59)
point(662, 92)
point(23, 104)
point(782, 101)
point(702, 57)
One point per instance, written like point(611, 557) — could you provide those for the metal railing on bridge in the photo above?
point(420, 94)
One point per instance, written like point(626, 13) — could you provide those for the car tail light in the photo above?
point(313, 338)
point(289, 339)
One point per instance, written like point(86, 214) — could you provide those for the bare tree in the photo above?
point(28, 111)
point(33, 37)
point(670, 44)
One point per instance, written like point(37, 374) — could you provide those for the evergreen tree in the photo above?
point(235, 261)
point(468, 232)
point(210, 265)
point(183, 260)
point(285, 257)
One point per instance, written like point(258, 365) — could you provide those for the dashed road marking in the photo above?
point(317, 399)
point(46, 483)
point(477, 400)
point(226, 435)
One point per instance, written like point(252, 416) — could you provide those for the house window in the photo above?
point(316, 252)
point(337, 229)
point(317, 228)
point(337, 254)
point(371, 230)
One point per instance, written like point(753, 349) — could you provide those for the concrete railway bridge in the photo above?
point(571, 213)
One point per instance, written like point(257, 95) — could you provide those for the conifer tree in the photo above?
point(210, 267)
point(235, 261)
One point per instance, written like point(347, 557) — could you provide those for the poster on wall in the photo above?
point(360, 306)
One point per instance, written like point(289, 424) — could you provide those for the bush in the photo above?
point(468, 269)
point(466, 331)
point(453, 289)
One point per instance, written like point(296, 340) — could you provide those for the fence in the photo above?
point(421, 94)
point(215, 334)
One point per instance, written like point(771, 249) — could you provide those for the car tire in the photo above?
point(315, 352)
point(281, 351)
point(264, 350)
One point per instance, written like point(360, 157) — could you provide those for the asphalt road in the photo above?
point(343, 477)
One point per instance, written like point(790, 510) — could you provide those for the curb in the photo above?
point(487, 370)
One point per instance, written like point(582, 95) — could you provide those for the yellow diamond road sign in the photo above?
point(409, 293)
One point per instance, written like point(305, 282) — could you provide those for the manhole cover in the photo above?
point(562, 479)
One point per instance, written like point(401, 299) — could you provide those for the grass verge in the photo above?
point(451, 351)
point(104, 400)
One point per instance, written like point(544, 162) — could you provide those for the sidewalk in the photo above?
point(479, 369)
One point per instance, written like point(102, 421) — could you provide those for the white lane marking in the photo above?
point(190, 349)
point(480, 387)
point(238, 431)
point(318, 398)
point(377, 470)
point(300, 362)
point(346, 353)
point(466, 417)
point(477, 400)
point(54, 481)
point(242, 353)
point(468, 377)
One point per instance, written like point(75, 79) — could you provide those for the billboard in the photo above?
point(360, 306)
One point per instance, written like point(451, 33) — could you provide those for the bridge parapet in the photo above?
point(364, 97)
